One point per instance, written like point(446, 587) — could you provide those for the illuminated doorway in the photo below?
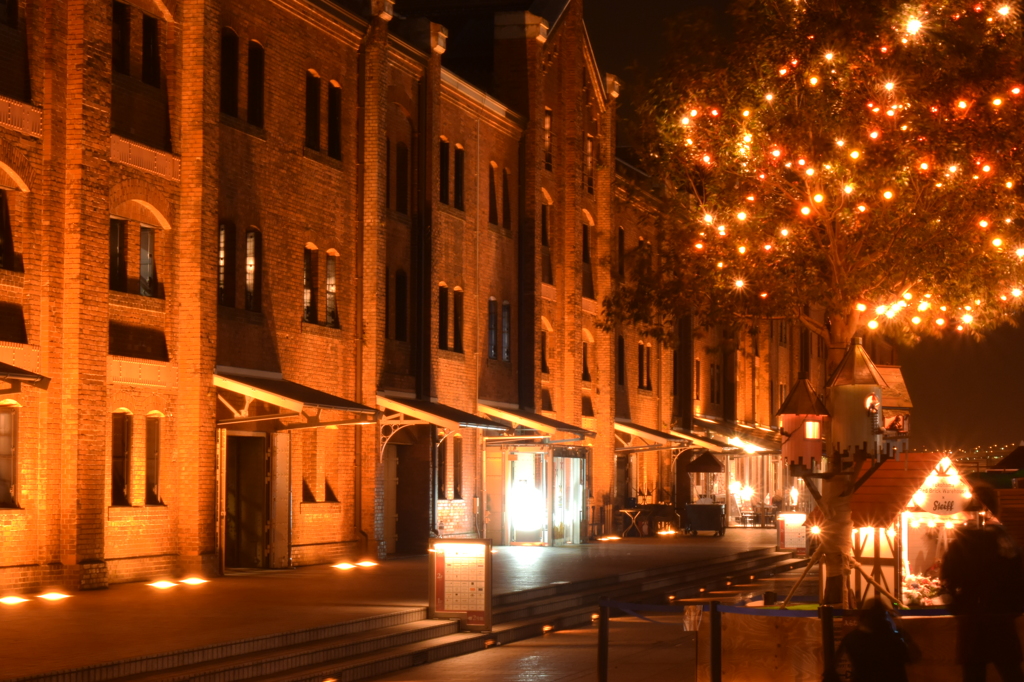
point(527, 504)
point(568, 499)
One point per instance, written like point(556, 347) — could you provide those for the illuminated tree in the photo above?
point(860, 158)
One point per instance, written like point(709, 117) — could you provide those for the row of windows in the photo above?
point(121, 462)
point(229, 81)
point(442, 319)
point(505, 347)
point(451, 445)
point(226, 267)
point(121, 45)
point(148, 284)
point(644, 364)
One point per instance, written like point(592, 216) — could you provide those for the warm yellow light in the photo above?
point(746, 112)
point(693, 112)
point(767, 247)
point(861, 307)
point(805, 210)
point(887, 194)
point(940, 322)
point(708, 218)
point(194, 581)
point(997, 242)
point(862, 208)
point(814, 80)
point(344, 566)
point(890, 86)
point(707, 159)
point(840, 143)
point(915, 319)
point(742, 250)
point(366, 564)
point(738, 283)
point(1004, 10)
point(815, 530)
point(913, 26)
point(997, 102)
point(741, 216)
point(698, 246)
point(1009, 184)
point(810, 171)
point(163, 584)
point(986, 168)
point(967, 318)
point(855, 154)
point(828, 56)
point(962, 104)
point(784, 232)
point(983, 223)
point(10, 601)
point(1016, 293)
point(56, 596)
point(880, 310)
point(769, 97)
point(848, 189)
point(721, 265)
point(748, 138)
point(924, 166)
point(923, 306)
point(818, 198)
point(873, 324)
point(952, 169)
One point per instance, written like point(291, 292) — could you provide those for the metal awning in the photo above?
point(12, 373)
point(705, 443)
point(446, 417)
point(288, 395)
point(742, 437)
point(657, 439)
point(532, 420)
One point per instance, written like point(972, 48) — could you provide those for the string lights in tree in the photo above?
point(862, 158)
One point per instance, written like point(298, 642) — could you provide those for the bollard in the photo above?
point(602, 645)
point(770, 598)
point(828, 642)
point(716, 643)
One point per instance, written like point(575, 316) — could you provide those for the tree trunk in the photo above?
point(836, 539)
point(842, 328)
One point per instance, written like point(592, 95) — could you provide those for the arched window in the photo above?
point(254, 91)
point(253, 270)
point(402, 178)
point(640, 357)
point(588, 348)
point(121, 456)
point(492, 195)
point(457, 318)
point(586, 242)
point(229, 72)
point(444, 178)
point(8, 257)
point(8, 456)
point(309, 283)
point(226, 265)
point(153, 443)
point(547, 274)
point(331, 289)
point(506, 331)
point(313, 110)
point(334, 120)
point(442, 316)
point(506, 201)
point(401, 306)
point(546, 328)
point(460, 178)
point(492, 328)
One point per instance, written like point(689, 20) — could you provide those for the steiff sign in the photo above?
point(943, 497)
point(460, 582)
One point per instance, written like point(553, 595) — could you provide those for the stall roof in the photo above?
point(706, 463)
point(856, 368)
point(438, 414)
point(648, 434)
point(894, 392)
point(532, 420)
point(881, 498)
point(803, 399)
point(18, 374)
point(706, 443)
point(1012, 462)
point(271, 388)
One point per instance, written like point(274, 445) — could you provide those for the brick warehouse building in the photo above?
point(292, 281)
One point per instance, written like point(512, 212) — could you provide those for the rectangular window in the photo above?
point(640, 366)
point(148, 285)
point(620, 361)
point(153, 460)
point(9, 13)
point(401, 306)
point(506, 332)
point(457, 468)
point(150, 51)
point(442, 317)
point(783, 333)
point(253, 270)
point(586, 243)
point(312, 111)
point(334, 121)
point(442, 469)
point(443, 180)
point(587, 406)
point(460, 177)
point(812, 430)
point(9, 259)
point(544, 352)
point(402, 178)
point(622, 252)
point(696, 379)
point(545, 400)
point(229, 72)
point(254, 91)
point(121, 455)
point(547, 273)
point(309, 288)
point(118, 254)
point(457, 321)
point(588, 274)
point(121, 46)
point(492, 329)
point(8, 457)
point(506, 201)
point(332, 292)
point(548, 157)
point(589, 164)
point(649, 385)
point(586, 361)
point(492, 197)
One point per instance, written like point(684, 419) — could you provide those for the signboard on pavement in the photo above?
point(460, 582)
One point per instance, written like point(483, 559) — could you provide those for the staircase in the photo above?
point(360, 649)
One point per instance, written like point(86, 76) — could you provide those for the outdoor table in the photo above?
point(632, 514)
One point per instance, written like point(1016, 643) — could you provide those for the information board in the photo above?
point(793, 532)
point(460, 582)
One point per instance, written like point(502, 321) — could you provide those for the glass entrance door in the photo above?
point(527, 499)
point(568, 502)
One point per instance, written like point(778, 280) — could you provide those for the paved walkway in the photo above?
point(638, 650)
point(133, 620)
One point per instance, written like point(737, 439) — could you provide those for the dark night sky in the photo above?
point(966, 393)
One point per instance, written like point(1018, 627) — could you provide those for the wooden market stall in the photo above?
point(905, 512)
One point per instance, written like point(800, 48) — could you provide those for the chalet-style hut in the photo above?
point(855, 396)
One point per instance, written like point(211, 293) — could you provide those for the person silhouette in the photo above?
point(983, 571)
point(876, 649)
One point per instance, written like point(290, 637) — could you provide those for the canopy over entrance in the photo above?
point(656, 440)
point(521, 419)
point(12, 373)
